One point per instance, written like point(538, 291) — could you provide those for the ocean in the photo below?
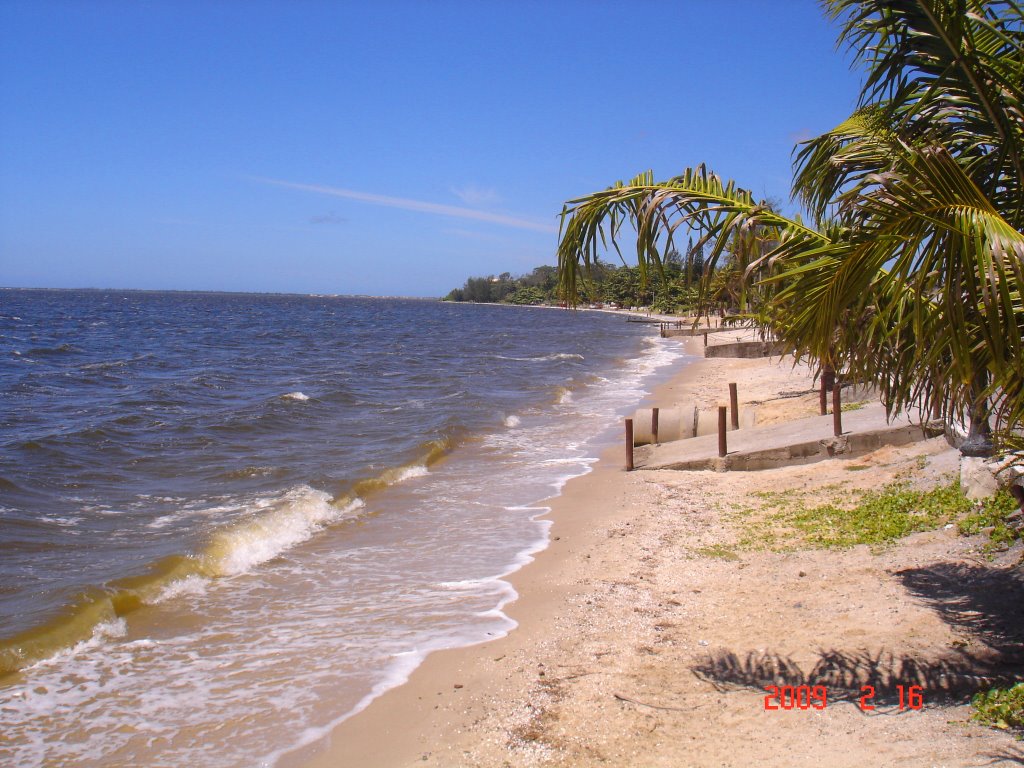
point(230, 521)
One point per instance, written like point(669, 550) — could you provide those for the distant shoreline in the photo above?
point(222, 293)
point(654, 316)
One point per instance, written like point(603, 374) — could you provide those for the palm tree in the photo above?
point(911, 272)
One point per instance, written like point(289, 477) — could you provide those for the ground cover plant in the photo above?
point(1000, 707)
point(784, 520)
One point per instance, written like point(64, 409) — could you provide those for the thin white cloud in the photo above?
point(416, 205)
point(471, 194)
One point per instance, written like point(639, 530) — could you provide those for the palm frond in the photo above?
point(950, 71)
point(696, 201)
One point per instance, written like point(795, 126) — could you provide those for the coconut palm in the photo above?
point(911, 272)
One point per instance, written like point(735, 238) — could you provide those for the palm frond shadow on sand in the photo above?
point(985, 604)
point(949, 679)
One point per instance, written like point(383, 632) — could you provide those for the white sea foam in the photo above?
point(164, 520)
point(101, 633)
point(64, 522)
point(290, 520)
point(417, 470)
point(512, 421)
point(403, 664)
point(544, 358)
point(143, 643)
point(299, 396)
point(491, 613)
point(461, 585)
point(190, 585)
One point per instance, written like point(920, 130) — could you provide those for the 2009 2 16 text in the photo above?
point(816, 697)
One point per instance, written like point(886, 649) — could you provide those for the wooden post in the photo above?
point(823, 396)
point(734, 407)
point(837, 410)
point(705, 339)
point(654, 425)
point(629, 445)
point(722, 446)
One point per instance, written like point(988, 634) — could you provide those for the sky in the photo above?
point(387, 148)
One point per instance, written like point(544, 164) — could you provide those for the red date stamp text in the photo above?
point(816, 697)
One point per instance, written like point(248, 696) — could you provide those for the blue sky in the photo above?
point(386, 148)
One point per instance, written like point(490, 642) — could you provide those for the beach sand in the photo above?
point(646, 630)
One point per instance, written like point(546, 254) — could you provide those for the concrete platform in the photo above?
point(744, 349)
point(801, 441)
point(668, 332)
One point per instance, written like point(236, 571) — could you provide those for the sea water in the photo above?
point(229, 521)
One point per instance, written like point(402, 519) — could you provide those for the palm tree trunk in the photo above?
point(979, 442)
point(828, 380)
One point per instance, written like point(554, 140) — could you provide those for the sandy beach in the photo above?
point(664, 604)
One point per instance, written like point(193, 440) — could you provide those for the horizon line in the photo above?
point(223, 290)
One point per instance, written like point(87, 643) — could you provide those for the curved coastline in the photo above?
point(647, 627)
point(155, 643)
point(391, 725)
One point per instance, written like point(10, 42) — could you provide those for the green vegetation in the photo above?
point(538, 287)
point(907, 268)
point(880, 517)
point(874, 518)
point(677, 290)
point(717, 552)
point(1000, 708)
point(991, 516)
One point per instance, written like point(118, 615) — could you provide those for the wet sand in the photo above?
point(647, 629)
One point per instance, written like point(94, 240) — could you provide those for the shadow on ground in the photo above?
point(1004, 757)
point(983, 603)
point(948, 679)
point(945, 680)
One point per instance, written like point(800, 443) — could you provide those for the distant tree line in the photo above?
point(607, 284)
point(538, 287)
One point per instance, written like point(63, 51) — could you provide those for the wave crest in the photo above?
point(296, 517)
point(544, 358)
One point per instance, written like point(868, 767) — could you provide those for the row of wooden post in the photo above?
point(828, 379)
point(722, 446)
